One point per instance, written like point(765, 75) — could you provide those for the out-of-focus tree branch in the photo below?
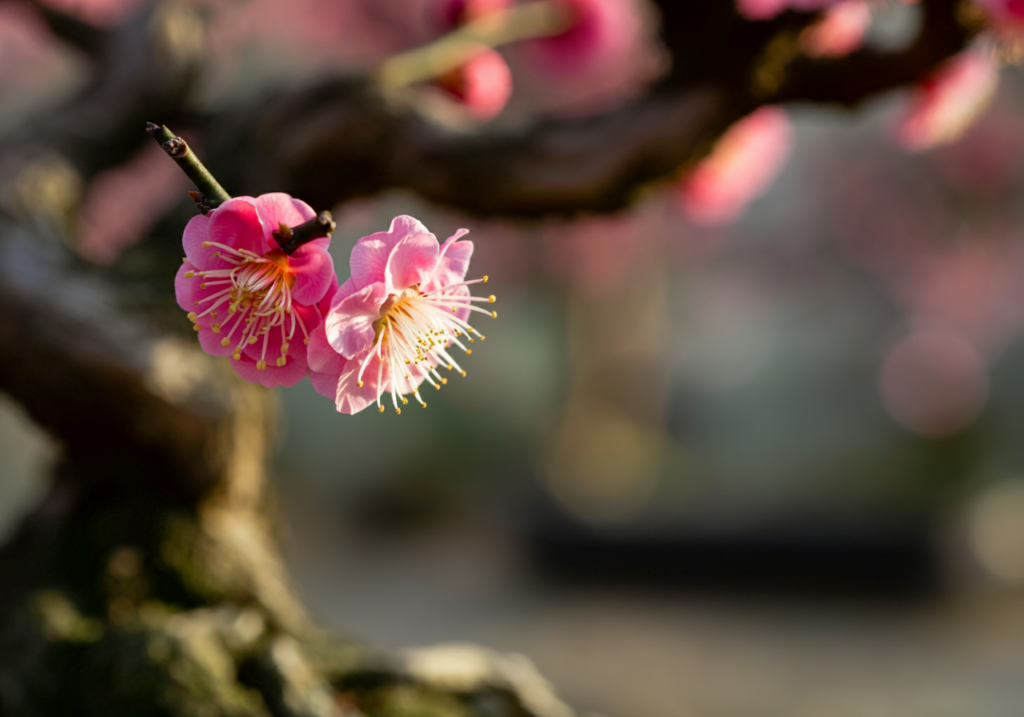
point(340, 139)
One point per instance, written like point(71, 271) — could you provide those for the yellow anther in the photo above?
point(491, 298)
point(494, 314)
point(285, 346)
point(237, 355)
point(225, 341)
point(193, 316)
point(405, 400)
point(189, 274)
point(216, 253)
point(282, 361)
point(424, 404)
point(213, 314)
point(485, 279)
point(437, 386)
point(462, 372)
point(195, 303)
point(472, 341)
point(398, 411)
point(196, 327)
point(381, 409)
point(444, 380)
point(482, 337)
point(260, 365)
point(469, 351)
point(252, 340)
point(206, 245)
point(184, 259)
point(216, 328)
point(360, 384)
point(305, 341)
point(453, 309)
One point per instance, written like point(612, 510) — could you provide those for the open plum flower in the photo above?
point(246, 297)
point(395, 322)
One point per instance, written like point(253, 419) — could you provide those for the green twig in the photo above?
point(520, 22)
point(210, 195)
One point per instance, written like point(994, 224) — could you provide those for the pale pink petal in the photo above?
point(322, 358)
point(350, 321)
point(314, 271)
point(412, 261)
point(349, 397)
point(278, 208)
point(452, 263)
point(483, 84)
point(235, 224)
point(371, 253)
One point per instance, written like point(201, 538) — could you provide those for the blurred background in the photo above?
point(749, 448)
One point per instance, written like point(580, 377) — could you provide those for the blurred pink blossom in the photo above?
point(392, 324)
point(482, 84)
point(934, 383)
point(839, 32)
point(946, 104)
point(602, 33)
point(453, 13)
point(740, 168)
point(28, 54)
point(247, 298)
point(121, 204)
point(1005, 14)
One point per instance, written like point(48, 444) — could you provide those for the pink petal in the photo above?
point(313, 268)
point(453, 262)
point(350, 320)
point(349, 397)
point(272, 376)
point(235, 224)
point(275, 338)
point(196, 232)
point(322, 358)
point(279, 208)
point(370, 255)
point(211, 342)
point(184, 288)
point(412, 261)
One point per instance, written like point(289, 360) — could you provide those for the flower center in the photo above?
point(256, 293)
point(414, 335)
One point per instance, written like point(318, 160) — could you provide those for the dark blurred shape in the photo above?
point(875, 558)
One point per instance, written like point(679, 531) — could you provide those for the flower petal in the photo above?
point(370, 255)
point(349, 323)
point(313, 269)
point(452, 263)
point(349, 396)
point(294, 370)
point(412, 261)
point(278, 208)
point(184, 287)
point(235, 224)
point(196, 232)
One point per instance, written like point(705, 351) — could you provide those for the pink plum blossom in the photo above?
point(482, 84)
point(246, 297)
point(1006, 15)
point(601, 34)
point(394, 322)
point(949, 101)
point(740, 168)
point(839, 32)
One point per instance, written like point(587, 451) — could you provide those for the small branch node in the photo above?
point(291, 238)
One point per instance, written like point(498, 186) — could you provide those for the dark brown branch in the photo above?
point(291, 238)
